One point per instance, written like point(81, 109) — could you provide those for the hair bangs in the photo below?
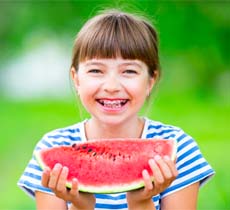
point(113, 38)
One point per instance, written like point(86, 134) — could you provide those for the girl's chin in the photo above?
point(110, 121)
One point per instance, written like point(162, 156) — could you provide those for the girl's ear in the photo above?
point(152, 82)
point(74, 77)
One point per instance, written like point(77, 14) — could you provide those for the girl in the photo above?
point(114, 67)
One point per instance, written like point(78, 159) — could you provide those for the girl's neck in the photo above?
point(96, 130)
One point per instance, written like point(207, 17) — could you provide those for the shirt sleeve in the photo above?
point(30, 181)
point(191, 165)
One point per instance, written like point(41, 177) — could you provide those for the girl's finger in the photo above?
point(171, 166)
point(74, 188)
point(45, 177)
point(147, 180)
point(54, 175)
point(158, 177)
point(165, 169)
point(61, 185)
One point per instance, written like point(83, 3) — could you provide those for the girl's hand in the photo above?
point(164, 172)
point(56, 180)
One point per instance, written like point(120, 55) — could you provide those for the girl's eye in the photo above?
point(95, 71)
point(130, 71)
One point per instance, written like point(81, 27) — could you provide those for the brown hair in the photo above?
point(115, 33)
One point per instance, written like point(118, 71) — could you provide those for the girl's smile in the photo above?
point(113, 104)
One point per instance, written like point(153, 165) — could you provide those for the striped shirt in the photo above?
point(191, 165)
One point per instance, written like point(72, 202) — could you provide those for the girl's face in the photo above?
point(112, 90)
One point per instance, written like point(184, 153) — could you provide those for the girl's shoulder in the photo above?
point(63, 136)
point(157, 129)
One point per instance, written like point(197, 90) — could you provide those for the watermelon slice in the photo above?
point(107, 166)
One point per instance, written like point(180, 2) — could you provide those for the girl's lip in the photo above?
point(112, 101)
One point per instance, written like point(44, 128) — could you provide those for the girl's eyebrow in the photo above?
point(135, 63)
point(125, 63)
point(89, 63)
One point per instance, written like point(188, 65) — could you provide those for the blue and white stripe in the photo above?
point(191, 165)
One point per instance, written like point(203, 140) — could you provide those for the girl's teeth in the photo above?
point(112, 104)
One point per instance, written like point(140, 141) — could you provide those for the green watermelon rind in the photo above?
point(107, 189)
point(39, 160)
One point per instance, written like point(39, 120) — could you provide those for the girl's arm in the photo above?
point(46, 201)
point(183, 199)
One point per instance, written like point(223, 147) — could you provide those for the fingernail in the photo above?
point(46, 169)
point(145, 173)
point(57, 166)
point(65, 169)
point(151, 162)
point(166, 157)
point(157, 157)
point(74, 180)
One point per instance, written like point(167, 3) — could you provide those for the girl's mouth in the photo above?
point(112, 104)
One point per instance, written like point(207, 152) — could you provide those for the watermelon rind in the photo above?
point(39, 160)
point(174, 150)
point(111, 188)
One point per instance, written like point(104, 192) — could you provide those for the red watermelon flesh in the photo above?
point(107, 166)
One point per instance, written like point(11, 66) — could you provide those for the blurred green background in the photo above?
point(36, 94)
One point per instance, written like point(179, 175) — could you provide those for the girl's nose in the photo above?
point(112, 84)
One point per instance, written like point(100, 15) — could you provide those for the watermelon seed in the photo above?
point(94, 154)
point(73, 145)
point(90, 150)
point(84, 147)
point(114, 157)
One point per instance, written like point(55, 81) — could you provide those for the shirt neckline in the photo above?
point(83, 132)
